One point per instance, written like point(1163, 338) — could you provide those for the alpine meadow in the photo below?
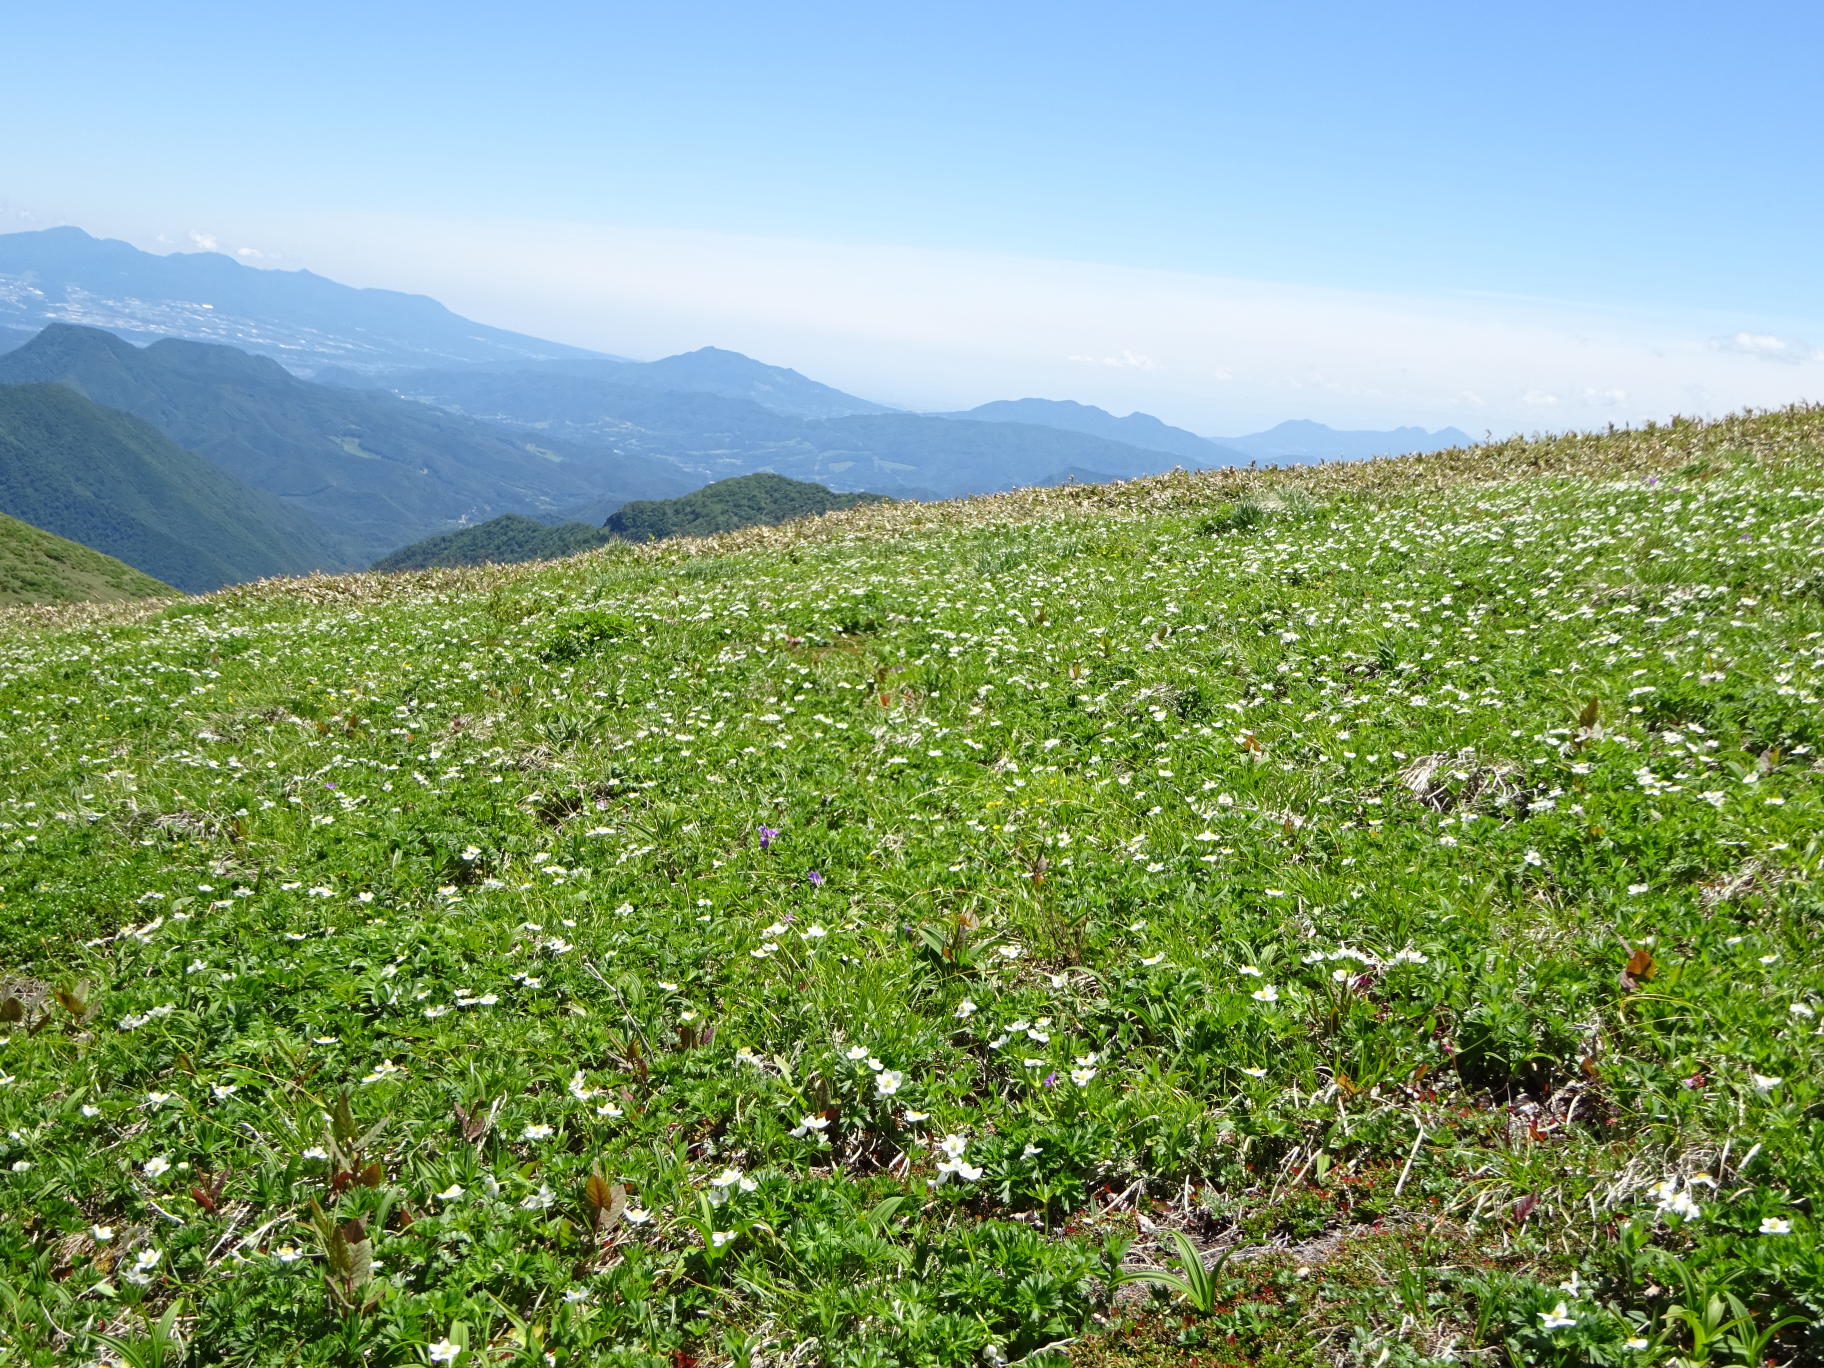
point(1357, 913)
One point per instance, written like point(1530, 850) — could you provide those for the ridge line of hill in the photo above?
point(1654, 450)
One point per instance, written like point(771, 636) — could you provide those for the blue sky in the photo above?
point(1453, 207)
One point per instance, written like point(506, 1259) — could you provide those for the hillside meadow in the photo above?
point(1360, 914)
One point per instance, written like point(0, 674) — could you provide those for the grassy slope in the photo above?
point(1070, 766)
point(38, 567)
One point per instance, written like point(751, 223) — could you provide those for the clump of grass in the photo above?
point(1244, 515)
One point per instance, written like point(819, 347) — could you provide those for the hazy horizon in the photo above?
point(1219, 240)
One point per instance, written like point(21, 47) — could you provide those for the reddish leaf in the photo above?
point(1639, 969)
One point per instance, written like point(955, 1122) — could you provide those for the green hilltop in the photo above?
point(38, 567)
point(758, 500)
point(507, 540)
point(725, 506)
point(1366, 913)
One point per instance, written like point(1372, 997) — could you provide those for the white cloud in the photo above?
point(249, 253)
point(1767, 347)
point(1123, 360)
point(204, 241)
point(937, 329)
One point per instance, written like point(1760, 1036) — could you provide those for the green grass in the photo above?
point(37, 567)
point(1400, 875)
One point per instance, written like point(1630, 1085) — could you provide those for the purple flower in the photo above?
point(1051, 1079)
point(814, 879)
point(766, 837)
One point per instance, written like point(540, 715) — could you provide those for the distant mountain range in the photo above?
point(371, 470)
point(712, 370)
point(39, 567)
point(304, 425)
point(744, 501)
point(339, 334)
point(1137, 429)
point(62, 275)
point(708, 371)
point(1294, 442)
point(714, 436)
point(116, 484)
point(1301, 440)
point(345, 475)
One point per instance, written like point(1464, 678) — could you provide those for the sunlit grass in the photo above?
point(872, 940)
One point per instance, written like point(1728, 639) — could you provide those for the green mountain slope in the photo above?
point(872, 942)
point(39, 567)
point(727, 505)
point(505, 540)
point(112, 482)
point(746, 501)
point(368, 467)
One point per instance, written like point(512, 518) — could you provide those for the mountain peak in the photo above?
point(733, 375)
point(59, 342)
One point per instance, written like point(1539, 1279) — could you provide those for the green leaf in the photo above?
point(885, 1210)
